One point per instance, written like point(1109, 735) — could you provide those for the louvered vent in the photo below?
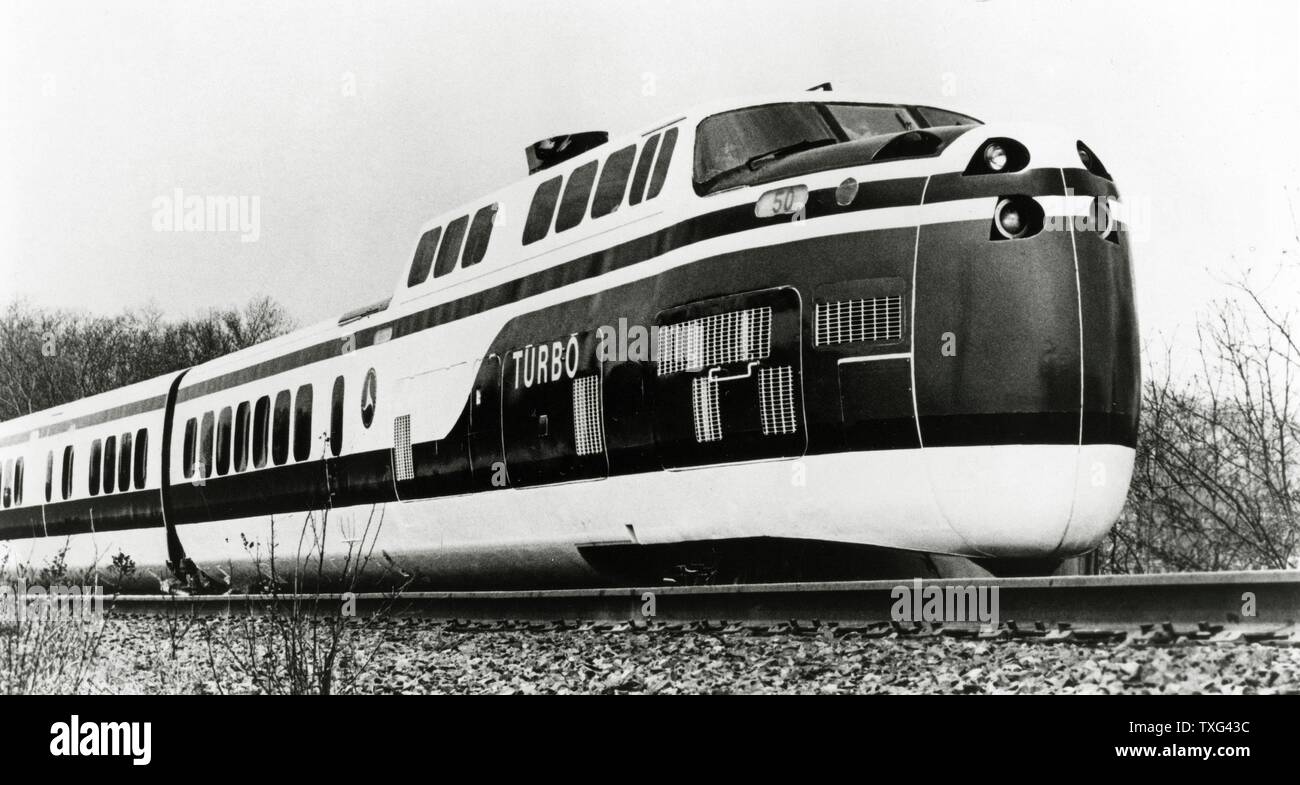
point(588, 433)
point(734, 336)
point(704, 401)
point(858, 321)
point(403, 465)
point(776, 400)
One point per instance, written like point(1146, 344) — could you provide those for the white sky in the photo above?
point(104, 107)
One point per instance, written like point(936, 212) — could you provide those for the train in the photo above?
point(803, 336)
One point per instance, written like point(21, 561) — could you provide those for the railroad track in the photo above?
point(1216, 607)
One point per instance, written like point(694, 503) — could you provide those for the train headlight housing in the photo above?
point(1016, 218)
point(782, 201)
point(998, 156)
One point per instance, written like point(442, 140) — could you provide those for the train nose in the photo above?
point(1006, 501)
point(1020, 501)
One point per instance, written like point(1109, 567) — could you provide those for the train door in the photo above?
point(728, 383)
point(334, 443)
point(552, 412)
point(486, 451)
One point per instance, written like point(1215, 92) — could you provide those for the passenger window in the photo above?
point(241, 436)
point(124, 464)
point(68, 462)
point(613, 182)
point(187, 452)
point(96, 456)
point(643, 169)
point(223, 442)
point(576, 193)
point(424, 257)
point(6, 488)
point(280, 429)
point(205, 445)
point(302, 423)
point(110, 463)
point(261, 430)
point(449, 251)
point(336, 417)
point(479, 233)
point(141, 458)
point(541, 210)
point(661, 163)
point(49, 476)
point(18, 482)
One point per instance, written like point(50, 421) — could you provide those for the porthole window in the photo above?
point(423, 261)
point(205, 444)
point(187, 452)
point(541, 210)
point(449, 251)
point(243, 417)
point(261, 431)
point(96, 457)
point(302, 423)
point(280, 429)
point(577, 192)
point(124, 464)
point(480, 231)
point(613, 182)
point(110, 464)
point(66, 475)
point(223, 441)
point(141, 468)
point(642, 175)
point(661, 163)
point(369, 398)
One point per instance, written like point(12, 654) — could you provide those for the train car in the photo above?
point(809, 335)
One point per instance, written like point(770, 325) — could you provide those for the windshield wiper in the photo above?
point(790, 149)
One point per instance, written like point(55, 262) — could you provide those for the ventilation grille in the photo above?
point(704, 401)
point(735, 336)
point(855, 321)
point(588, 433)
point(402, 463)
point(776, 400)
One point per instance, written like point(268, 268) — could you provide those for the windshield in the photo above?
point(726, 142)
point(730, 144)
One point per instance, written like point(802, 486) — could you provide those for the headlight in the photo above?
point(998, 156)
point(995, 155)
point(1017, 217)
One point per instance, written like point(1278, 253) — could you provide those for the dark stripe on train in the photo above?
point(300, 487)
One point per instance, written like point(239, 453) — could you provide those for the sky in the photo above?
point(353, 123)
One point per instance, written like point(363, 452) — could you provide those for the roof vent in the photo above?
point(558, 149)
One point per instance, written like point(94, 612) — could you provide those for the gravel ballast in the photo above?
point(136, 655)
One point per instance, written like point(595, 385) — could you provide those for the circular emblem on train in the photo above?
point(368, 398)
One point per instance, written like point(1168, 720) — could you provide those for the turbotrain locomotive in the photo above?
point(763, 339)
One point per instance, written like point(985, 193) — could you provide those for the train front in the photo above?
point(969, 324)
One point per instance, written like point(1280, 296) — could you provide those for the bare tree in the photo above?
point(1215, 485)
point(54, 356)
